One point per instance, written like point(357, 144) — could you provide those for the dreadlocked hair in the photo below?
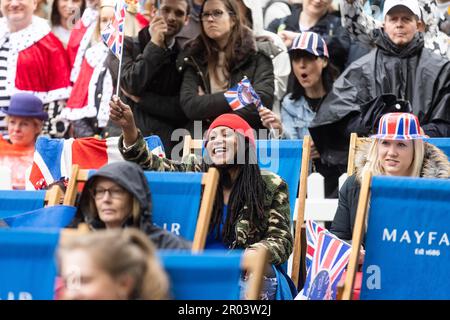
point(247, 191)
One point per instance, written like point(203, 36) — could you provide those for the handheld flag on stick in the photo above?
point(242, 95)
point(113, 35)
point(330, 256)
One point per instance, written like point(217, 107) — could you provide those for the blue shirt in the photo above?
point(211, 241)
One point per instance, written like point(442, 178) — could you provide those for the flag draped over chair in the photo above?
point(53, 158)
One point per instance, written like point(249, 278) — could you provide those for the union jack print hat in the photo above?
point(310, 42)
point(398, 126)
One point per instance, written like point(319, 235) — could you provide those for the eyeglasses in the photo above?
point(215, 14)
point(99, 193)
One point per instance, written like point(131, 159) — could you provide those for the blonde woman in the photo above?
point(112, 265)
point(397, 150)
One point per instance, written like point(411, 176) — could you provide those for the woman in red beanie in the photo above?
point(251, 208)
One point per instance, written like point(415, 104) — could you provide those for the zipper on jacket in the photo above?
point(200, 73)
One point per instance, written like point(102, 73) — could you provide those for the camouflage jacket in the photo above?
point(273, 233)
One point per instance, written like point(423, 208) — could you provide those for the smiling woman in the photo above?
point(117, 196)
point(396, 150)
point(24, 120)
point(251, 207)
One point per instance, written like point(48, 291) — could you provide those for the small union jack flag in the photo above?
point(242, 95)
point(312, 233)
point(113, 34)
point(329, 260)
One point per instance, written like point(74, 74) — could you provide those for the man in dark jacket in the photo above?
point(399, 66)
point(130, 178)
point(150, 79)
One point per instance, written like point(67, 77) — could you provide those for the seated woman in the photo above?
point(118, 196)
point(24, 118)
point(397, 150)
point(251, 207)
point(111, 265)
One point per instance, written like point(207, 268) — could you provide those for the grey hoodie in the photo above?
point(130, 177)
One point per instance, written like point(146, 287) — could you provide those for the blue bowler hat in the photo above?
point(26, 105)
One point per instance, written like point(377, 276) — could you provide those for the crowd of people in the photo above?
point(316, 67)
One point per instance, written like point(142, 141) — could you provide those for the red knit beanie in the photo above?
point(234, 122)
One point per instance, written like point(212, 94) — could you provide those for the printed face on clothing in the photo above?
point(85, 280)
point(217, 21)
point(308, 69)
point(106, 15)
point(401, 25)
point(18, 12)
point(316, 8)
point(66, 8)
point(23, 131)
point(114, 204)
point(175, 15)
point(396, 156)
point(222, 146)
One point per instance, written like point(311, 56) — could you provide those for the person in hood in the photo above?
point(398, 66)
point(118, 196)
point(397, 150)
point(251, 208)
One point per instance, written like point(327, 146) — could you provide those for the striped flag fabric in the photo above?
point(113, 34)
point(242, 95)
point(53, 158)
point(312, 232)
point(330, 257)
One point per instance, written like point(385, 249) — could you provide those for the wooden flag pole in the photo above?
point(121, 52)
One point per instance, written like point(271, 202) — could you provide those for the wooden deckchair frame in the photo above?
point(190, 145)
point(358, 232)
point(53, 196)
point(210, 181)
point(300, 214)
point(256, 268)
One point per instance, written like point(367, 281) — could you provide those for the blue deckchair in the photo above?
point(49, 217)
point(177, 200)
point(407, 244)
point(213, 274)
point(27, 264)
point(13, 202)
point(283, 157)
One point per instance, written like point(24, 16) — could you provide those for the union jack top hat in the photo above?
point(310, 42)
point(398, 126)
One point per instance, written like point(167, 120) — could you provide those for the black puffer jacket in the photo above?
point(435, 165)
point(150, 73)
point(250, 60)
point(130, 177)
point(412, 73)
